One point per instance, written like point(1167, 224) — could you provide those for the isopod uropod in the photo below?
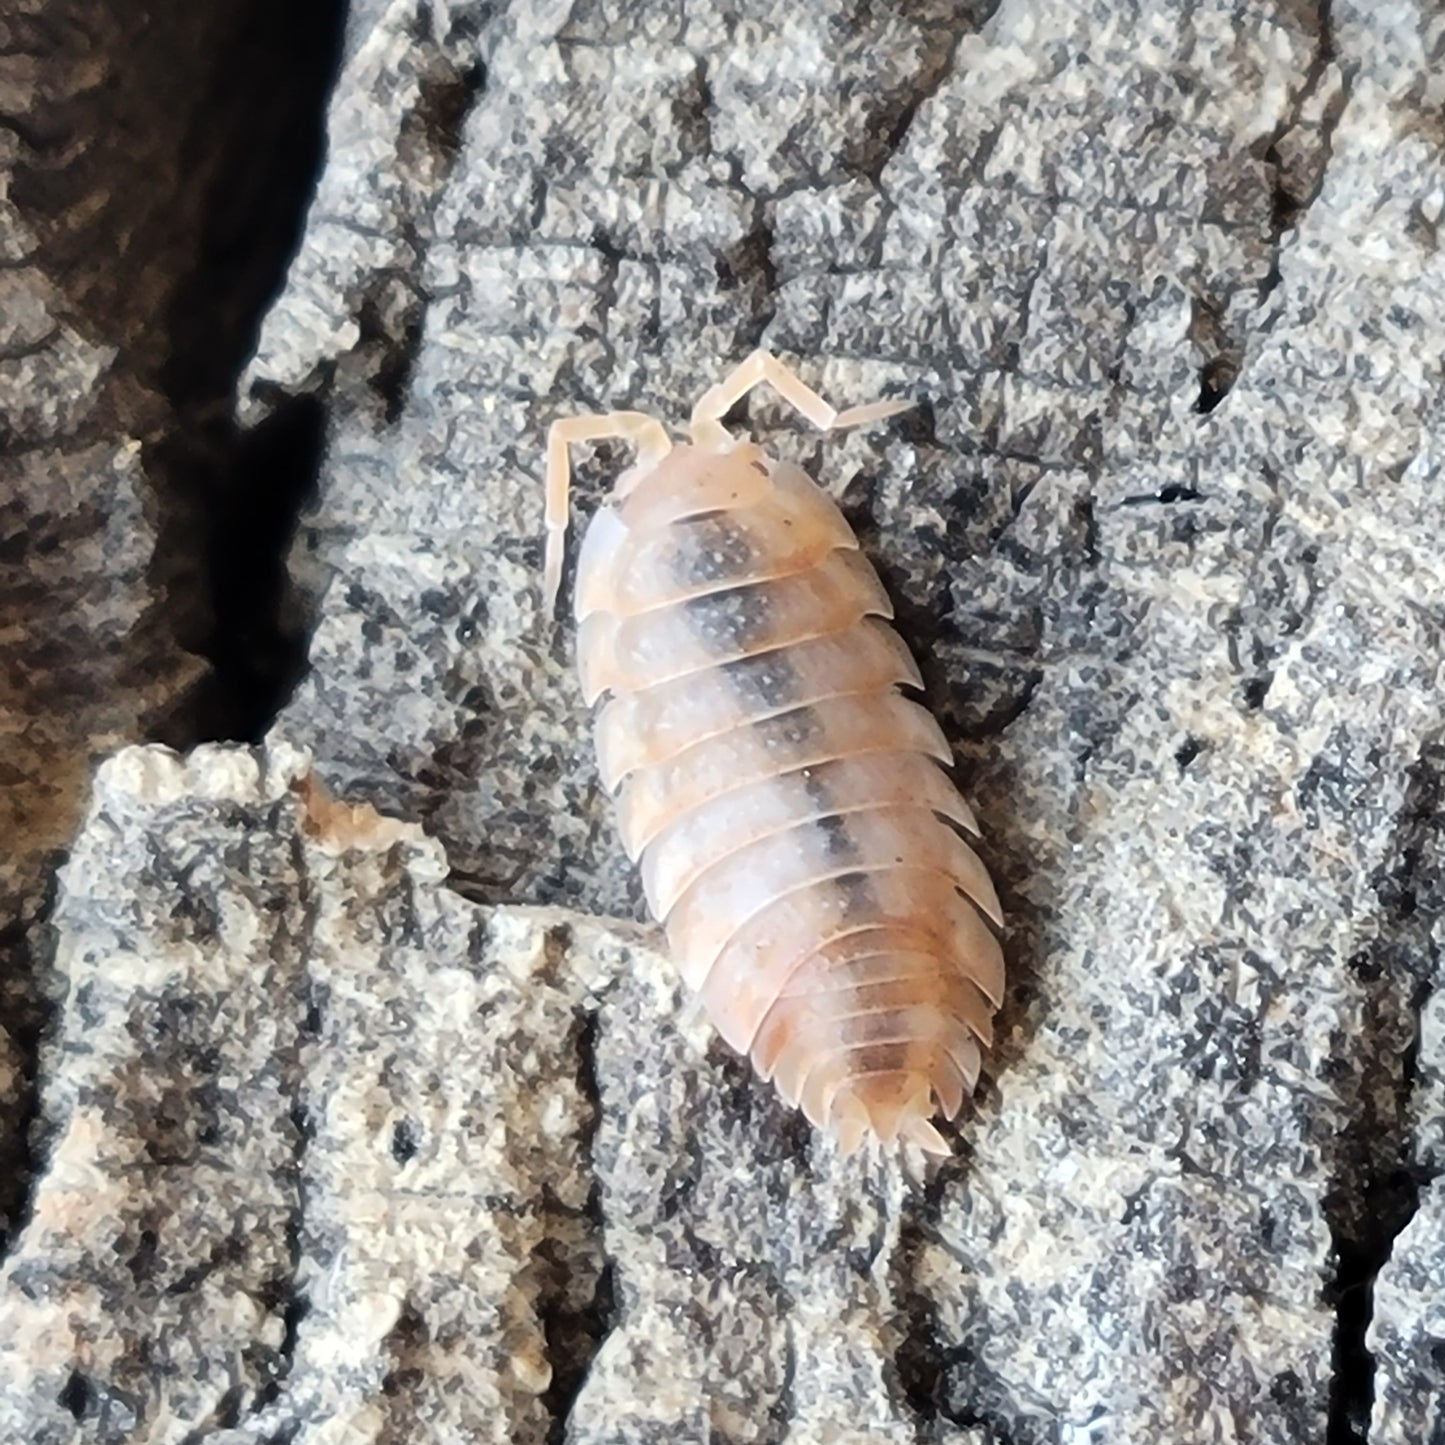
point(798, 840)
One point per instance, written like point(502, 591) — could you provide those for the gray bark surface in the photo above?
point(373, 1131)
point(93, 235)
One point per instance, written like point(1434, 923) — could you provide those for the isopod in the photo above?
point(798, 839)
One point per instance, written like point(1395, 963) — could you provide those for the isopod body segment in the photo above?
point(798, 839)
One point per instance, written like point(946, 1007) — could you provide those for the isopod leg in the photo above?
point(646, 434)
point(763, 366)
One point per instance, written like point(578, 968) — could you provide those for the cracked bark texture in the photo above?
point(358, 1148)
point(92, 658)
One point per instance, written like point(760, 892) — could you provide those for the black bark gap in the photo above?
point(77, 1396)
point(1376, 1171)
point(576, 1329)
point(256, 650)
point(246, 488)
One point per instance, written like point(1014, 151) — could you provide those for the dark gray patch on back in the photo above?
point(789, 729)
point(860, 903)
point(769, 678)
point(839, 845)
point(712, 548)
point(731, 621)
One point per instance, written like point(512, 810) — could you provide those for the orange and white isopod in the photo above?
point(799, 841)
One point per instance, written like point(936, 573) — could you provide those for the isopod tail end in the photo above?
point(851, 1124)
point(886, 1114)
point(918, 1130)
